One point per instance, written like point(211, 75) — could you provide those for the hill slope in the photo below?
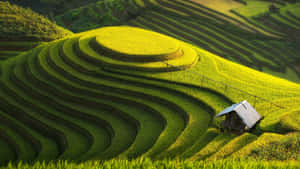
point(81, 88)
point(261, 39)
point(24, 24)
point(21, 29)
point(255, 44)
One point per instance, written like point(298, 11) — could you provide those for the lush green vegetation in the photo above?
point(23, 24)
point(230, 31)
point(22, 29)
point(248, 37)
point(51, 7)
point(270, 146)
point(72, 89)
point(97, 14)
point(167, 164)
point(126, 93)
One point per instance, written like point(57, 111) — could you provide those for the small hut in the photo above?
point(240, 117)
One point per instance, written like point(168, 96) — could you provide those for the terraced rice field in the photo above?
point(19, 24)
point(55, 94)
point(13, 48)
point(278, 23)
point(22, 29)
point(76, 89)
point(217, 30)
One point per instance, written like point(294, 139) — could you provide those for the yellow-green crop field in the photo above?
point(145, 94)
point(73, 89)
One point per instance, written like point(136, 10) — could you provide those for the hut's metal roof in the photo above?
point(228, 110)
point(245, 111)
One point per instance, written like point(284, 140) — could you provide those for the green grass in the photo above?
point(168, 164)
point(290, 121)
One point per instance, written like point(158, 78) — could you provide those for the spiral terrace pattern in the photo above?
point(57, 103)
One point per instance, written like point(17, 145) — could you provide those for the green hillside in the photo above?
point(24, 24)
point(98, 14)
point(78, 16)
point(22, 29)
point(140, 83)
point(236, 31)
point(243, 31)
point(86, 87)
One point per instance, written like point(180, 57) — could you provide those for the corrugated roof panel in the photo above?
point(228, 110)
point(245, 111)
point(248, 114)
